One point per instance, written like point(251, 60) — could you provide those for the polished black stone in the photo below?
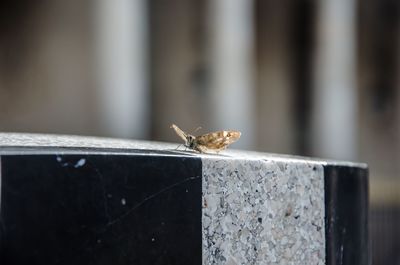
point(346, 215)
point(100, 209)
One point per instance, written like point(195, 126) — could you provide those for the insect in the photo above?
point(210, 142)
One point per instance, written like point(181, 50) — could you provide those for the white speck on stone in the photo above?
point(80, 163)
point(153, 239)
point(59, 158)
point(123, 201)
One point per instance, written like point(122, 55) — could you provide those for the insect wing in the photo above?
point(218, 140)
point(179, 132)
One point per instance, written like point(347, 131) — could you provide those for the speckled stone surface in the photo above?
point(263, 212)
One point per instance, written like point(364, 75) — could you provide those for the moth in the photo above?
point(210, 142)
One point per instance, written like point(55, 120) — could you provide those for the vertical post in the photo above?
point(121, 67)
point(335, 96)
point(177, 78)
point(231, 96)
point(275, 105)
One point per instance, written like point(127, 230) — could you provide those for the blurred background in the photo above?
point(304, 77)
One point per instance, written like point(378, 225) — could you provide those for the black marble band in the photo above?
point(100, 209)
point(346, 215)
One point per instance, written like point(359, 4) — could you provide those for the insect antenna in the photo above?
point(198, 128)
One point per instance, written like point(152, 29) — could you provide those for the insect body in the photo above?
point(215, 141)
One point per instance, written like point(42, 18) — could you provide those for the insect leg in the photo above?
point(178, 147)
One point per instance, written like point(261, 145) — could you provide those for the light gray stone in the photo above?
point(261, 211)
